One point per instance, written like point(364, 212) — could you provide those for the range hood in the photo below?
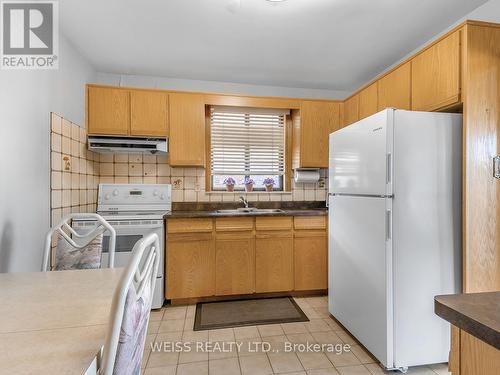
point(128, 145)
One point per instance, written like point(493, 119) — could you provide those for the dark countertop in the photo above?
point(214, 213)
point(209, 209)
point(476, 313)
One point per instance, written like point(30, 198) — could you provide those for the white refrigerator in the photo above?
point(395, 232)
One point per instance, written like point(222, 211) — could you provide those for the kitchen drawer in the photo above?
point(189, 225)
point(231, 224)
point(273, 223)
point(309, 222)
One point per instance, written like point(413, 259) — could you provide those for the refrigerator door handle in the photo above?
point(496, 167)
point(389, 168)
point(388, 224)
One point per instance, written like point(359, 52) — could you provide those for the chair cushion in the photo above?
point(70, 258)
point(133, 332)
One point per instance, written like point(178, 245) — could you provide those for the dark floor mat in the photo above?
point(249, 312)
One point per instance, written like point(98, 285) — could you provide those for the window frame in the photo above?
point(285, 180)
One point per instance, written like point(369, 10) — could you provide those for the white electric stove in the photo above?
point(134, 211)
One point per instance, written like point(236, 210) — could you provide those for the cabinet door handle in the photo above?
point(496, 167)
point(388, 225)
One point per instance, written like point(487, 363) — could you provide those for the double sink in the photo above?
point(250, 210)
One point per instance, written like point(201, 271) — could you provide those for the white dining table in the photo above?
point(54, 322)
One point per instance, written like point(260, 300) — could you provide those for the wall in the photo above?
point(167, 83)
point(26, 100)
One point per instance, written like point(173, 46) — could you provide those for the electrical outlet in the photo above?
point(321, 182)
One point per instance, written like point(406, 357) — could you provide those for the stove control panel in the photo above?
point(131, 197)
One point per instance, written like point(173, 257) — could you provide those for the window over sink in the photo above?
point(247, 148)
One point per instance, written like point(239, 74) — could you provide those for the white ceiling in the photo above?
point(319, 44)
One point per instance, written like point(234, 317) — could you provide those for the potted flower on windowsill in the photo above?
point(229, 182)
point(268, 183)
point(248, 182)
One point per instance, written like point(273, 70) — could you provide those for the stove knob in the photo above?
point(107, 196)
point(162, 196)
point(155, 193)
point(115, 192)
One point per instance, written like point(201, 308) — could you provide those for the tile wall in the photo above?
point(74, 171)
point(77, 172)
point(188, 184)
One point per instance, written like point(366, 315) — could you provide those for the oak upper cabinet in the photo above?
point(187, 129)
point(234, 256)
point(394, 89)
point(310, 248)
point(351, 110)
point(368, 101)
point(190, 259)
point(317, 120)
point(436, 75)
point(108, 111)
point(273, 254)
point(148, 113)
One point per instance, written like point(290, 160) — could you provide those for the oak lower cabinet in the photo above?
point(310, 247)
point(190, 259)
point(235, 263)
point(274, 262)
point(245, 255)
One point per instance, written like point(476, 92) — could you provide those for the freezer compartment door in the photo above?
point(360, 270)
point(361, 157)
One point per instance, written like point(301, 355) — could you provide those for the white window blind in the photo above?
point(247, 141)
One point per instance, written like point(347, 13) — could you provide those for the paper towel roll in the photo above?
point(307, 176)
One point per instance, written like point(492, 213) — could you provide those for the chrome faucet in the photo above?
point(244, 201)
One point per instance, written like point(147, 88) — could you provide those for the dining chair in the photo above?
point(78, 250)
point(130, 310)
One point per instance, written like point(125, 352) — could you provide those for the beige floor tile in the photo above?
point(255, 365)
point(153, 327)
point(198, 368)
point(193, 355)
point(169, 337)
point(189, 324)
point(297, 373)
point(225, 334)
point(353, 370)
point(324, 371)
point(176, 312)
point(322, 311)
point(346, 338)
point(195, 336)
point(440, 368)
point(420, 370)
point(292, 328)
point(376, 369)
point(333, 324)
point(190, 311)
point(312, 361)
point(277, 342)
point(284, 362)
point(317, 325)
point(270, 330)
point(165, 370)
point(145, 357)
point(173, 325)
point(343, 359)
point(363, 356)
point(246, 332)
point(317, 301)
point(226, 366)
point(156, 315)
point(301, 338)
point(161, 359)
point(311, 313)
point(250, 346)
point(221, 352)
point(302, 302)
point(328, 337)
